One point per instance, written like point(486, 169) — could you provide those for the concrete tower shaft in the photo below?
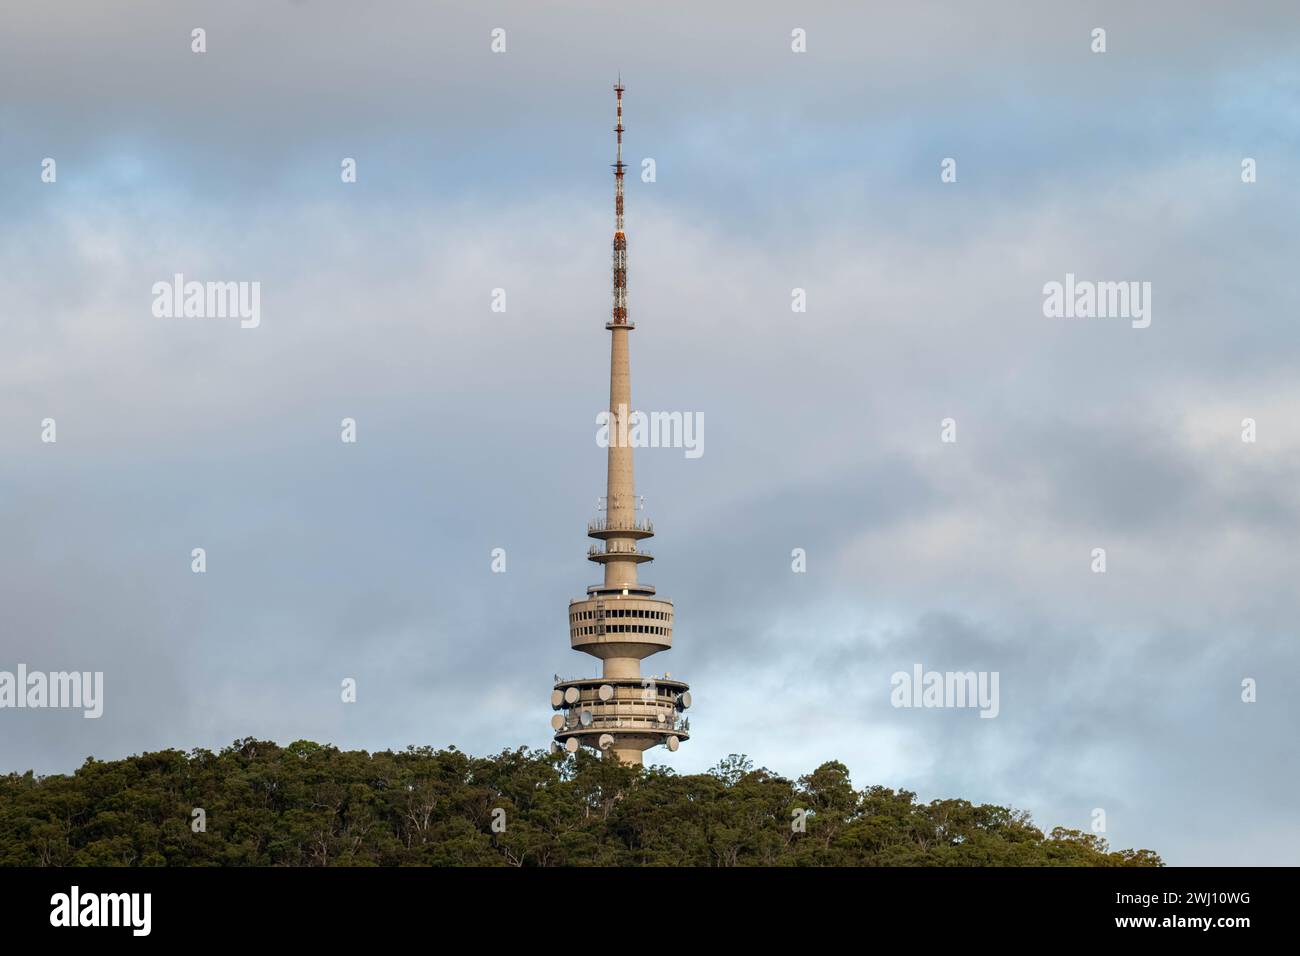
point(620, 485)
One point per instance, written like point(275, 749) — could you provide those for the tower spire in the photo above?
point(619, 315)
point(620, 621)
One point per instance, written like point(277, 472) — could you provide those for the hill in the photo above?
point(257, 804)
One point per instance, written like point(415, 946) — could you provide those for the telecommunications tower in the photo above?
point(620, 621)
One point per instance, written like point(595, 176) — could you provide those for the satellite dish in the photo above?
point(557, 721)
point(673, 743)
point(571, 695)
point(606, 741)
point(557, 698)
point(605, 692)
point(684, 701)
point(571, 745)
point(585, 718)
point(660, 717)
point(555, 746)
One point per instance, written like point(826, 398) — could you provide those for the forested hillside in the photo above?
point(314, 805)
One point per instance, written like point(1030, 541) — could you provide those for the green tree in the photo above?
point(310, 804)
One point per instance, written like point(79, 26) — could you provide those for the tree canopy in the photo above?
point(258, 804)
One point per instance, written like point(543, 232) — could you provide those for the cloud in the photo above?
point(476, 429)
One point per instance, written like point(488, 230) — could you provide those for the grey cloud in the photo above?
point(477, 430)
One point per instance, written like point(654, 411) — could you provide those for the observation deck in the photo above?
point(611, 625)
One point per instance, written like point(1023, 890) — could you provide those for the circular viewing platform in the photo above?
point(602, 555)
point(604, 529)
point(632, 626)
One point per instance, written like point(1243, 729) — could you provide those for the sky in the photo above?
point(775, 170)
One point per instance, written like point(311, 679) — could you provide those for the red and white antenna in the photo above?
point(619, 315)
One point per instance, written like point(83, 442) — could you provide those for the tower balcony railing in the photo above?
point(601, 723)
point(588, 679)
point(599, 554)
point(606, 524)
point(603, 527)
